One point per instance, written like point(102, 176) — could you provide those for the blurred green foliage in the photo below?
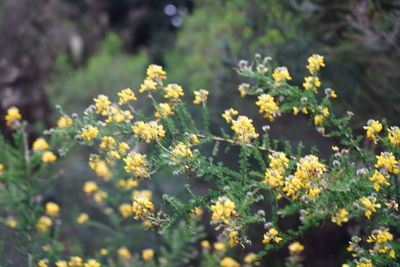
point(108, 71)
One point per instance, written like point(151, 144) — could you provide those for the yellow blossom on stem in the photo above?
point(115, 114)
point(11, 222)
point(123, 148)
point(124, 253)
point(52, 209)
point(92, 263)
point(233, 238)
point(107, 143)
point(148, 254)
point(148, 85)
point(244, 129)
point(229, 262)
point(228, 114)
point(370, 204)
point(61, 264)
point(379, 179)
point(125, 209)
point(340, 217)
point(394, 136)
point(75, 261)
point(155, 72)
point(250, 258)
point(40, 144)
point(309, 168)
point(182, 150)
point(90, 187)
point(272, 234)
point(13, 116)
point(43, 263)
point(273, 178)
point(278, 161)
point(319, 119)
point(200, 96)
point(82, 218)
point(173, 91)
point(223, 210)
point(311, 82)
point(142, 207)
point(163, 110)
point(205, 244)
point(296, 247)
point(136, 163)
point(103, 251)
point(44, 223)
point(148, 131)
point(64, 122)
point(281, 74)
point(49, 157)
point(373, 128)
point(100, 167)
point(268, 106)
point(243, 89)
point(219, 246)
point(315, 62)
point(102, 104)
point(125, 96)
point(89, 132)
point(99, 196)
point(388, 161)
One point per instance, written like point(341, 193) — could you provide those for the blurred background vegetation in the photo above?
point(67, 52)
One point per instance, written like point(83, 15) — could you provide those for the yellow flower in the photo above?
point(13, 116)
point(228, 114)
point(99, 196)
point(11, 222)
point(273, 177)
point(194, 139)
point(136, 163)
point(315, 62)
point(233, 238)
point(200, 96)
point(388, 161)
point(205, 244)
point(229, 262)
point(90, 187)
point(379, 179)
point(182, 150)
point(163, 110)
point(48, 157)
point(148, 85)
point(319, 120)
point(373, 127)
point(272, 234)
point(155, 72)
point(223, 210)
point(363, 262)
point(250, 258)
point(43, 263)
point(268, 105)
point(89, 132)
point(394, 135)
point(102, 104)
point(278, 161)
point(142, 193)
point(123, 148)
point(118, 115)
point(173, 91)
point(52, 209)
point(148, 254)
point(219, 246)
point(125, 209)
point(148, 131)
point(92, 263)
point(82, 218)
point(312, 83)
point(40, 144)
point(64, 122)
point(1, 168)
point(61, 264)
point(281, 74)
point(124, 253)
point(244, 129)
point(103, 251)
point(340, 217)
point(44, 223)
point(243, 89)
point(75, 261)
point(142, 207)
point(198, 211)
point(296, 247)
point(309, 168)
point(370, 205)
point(125, 96)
